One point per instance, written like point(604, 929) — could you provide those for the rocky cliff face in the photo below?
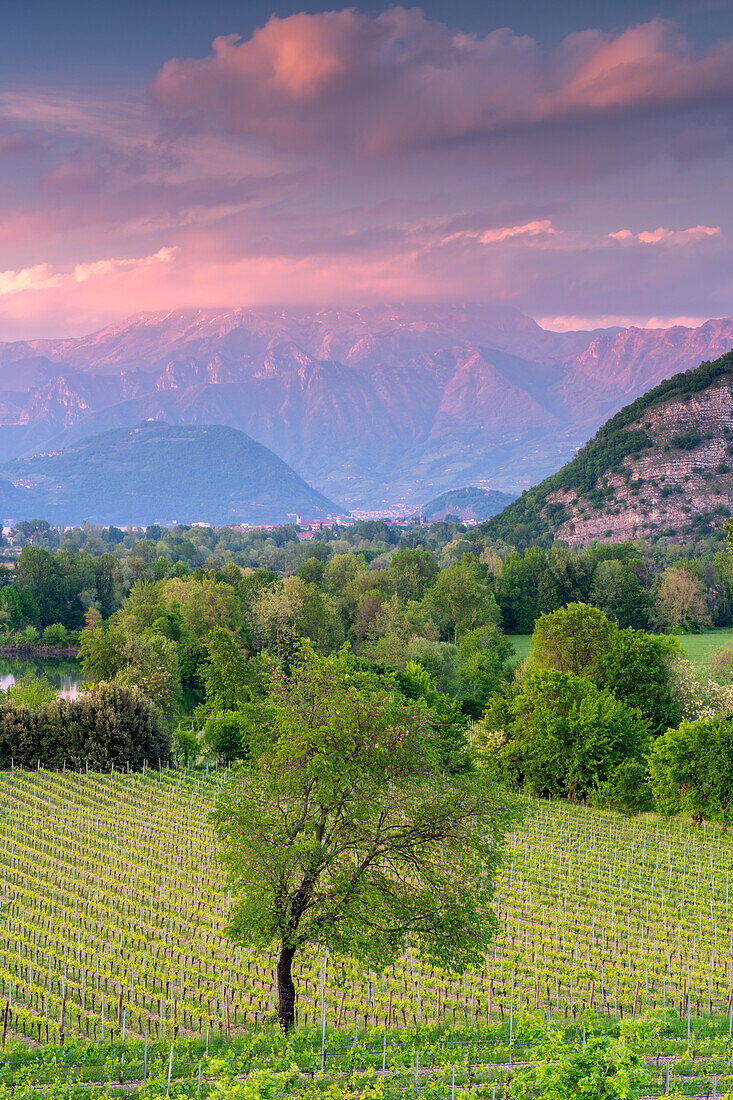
point(374, 406)
point(682, 483)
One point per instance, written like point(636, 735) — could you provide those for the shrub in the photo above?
point(691, 770)
point(56, 634)
point(626, 788)
point(559, 734)
point(110, 725)
point(226, 736)
point(686, 441)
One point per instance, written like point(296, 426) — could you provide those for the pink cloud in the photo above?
point(45, 277)
point(16, 143)
point(74, 176)
point(377, 84)
point(38, 277)
point(661, 235)
point(574, 323)
point(541, 228)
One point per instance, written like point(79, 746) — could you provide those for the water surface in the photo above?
point(63, 672)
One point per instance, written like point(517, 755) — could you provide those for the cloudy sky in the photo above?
point(572, 159)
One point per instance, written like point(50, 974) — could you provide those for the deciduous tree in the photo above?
point(343, 831)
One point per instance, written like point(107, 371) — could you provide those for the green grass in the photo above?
point(700, 647)
point(522, 645)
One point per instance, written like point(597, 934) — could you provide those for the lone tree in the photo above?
point(342, 831)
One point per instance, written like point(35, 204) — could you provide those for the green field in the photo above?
point(698, 647)
point(522, 646)
point(113, 924)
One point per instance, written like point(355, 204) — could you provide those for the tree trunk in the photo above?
point(285, 989)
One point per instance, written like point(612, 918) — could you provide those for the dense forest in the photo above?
point(50, 581)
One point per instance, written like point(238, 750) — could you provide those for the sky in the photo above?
point(572, 160)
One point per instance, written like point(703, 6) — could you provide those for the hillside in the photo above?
point(157, 473)
point(660, 467)
point(381, 407)
point(469, 503)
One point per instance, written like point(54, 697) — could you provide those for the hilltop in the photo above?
point(469, 503)
point(158, 473)
point(662, 466)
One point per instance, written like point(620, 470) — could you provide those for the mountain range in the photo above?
point(378, 408)
point(155, 473)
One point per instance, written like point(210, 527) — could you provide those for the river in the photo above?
point(63, 672)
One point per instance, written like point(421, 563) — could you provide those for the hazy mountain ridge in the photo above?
point(466, 503)
point(373, 406)
point(157, 473)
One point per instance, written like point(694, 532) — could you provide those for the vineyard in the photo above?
point(112, 939)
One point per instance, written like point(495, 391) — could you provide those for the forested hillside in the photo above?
point(154, 472)
point(660, 466)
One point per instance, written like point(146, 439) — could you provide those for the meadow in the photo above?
point(698, 647)
point(112, 932)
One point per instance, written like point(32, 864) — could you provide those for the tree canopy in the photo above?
point(343, 830)
point(558, 734)
point(691, 770)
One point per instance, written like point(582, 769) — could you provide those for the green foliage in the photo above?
point(150, 663)
point(440, 659)
point(312, 569)
point(108, 725)
point(411, 572)
point(483, 655)
point(604, 1068)
point(30, 691)
point(292, 609)
point(448, 722)
point(343, 831)
point(186, 746)
point(227, 736)
point(557, 733)
point(618, 591)
point(691, 770)
point(686, 441)
point(627, 788)
point(56, 635)
point(636, 668)
point(100, 652)
point(227, 676)
point(146, 660)
point(572, 638)
point(463, 598)
point(528, 586)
